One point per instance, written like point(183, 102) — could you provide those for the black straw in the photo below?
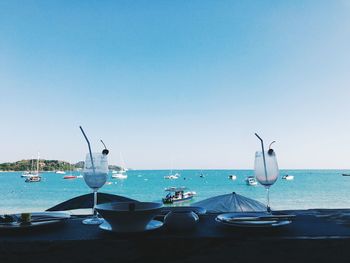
point(263, 152)
point(87, 140)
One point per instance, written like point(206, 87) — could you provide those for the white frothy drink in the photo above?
point(95, 180)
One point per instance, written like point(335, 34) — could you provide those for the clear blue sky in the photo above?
point(176, 83)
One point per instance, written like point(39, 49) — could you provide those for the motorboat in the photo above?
point(177, 194)
point(172, 176)
point(60, 172)
point(69, 177)
point(232, 177)
point(250, 180)
point(33, 179)
point(288, 177)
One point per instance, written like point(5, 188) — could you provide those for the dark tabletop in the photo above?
point(327, 231)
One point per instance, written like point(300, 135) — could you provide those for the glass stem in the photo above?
point(268, 200)
point(94, 212)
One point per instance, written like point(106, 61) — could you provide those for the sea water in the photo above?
point(309, 189)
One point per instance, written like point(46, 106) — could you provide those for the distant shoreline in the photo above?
point(192, 169)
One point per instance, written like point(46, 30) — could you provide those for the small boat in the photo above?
point(172, 176)
point(119, 176)
point(345, 174)
point(122, 170)
point(232, 177)
point(33, 179)
point(25, 174)
point(288, 177)
point(60, 172)
point(250, 180)
point(122, 167)
point(69, 177)
point(177, 194)
point(28, 174)
point(80, 176)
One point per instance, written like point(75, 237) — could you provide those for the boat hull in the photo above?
point(33, 180)
point(69, 177)
point(171, 201)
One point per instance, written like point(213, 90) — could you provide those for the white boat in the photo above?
point(29, 173)
point(119, 175)
point(288, 177)
point(34, 176)
point(177, 194)
point(60, 172)
point(250, 180)
point(232, 177)
point(122, 170)
point(172, 176)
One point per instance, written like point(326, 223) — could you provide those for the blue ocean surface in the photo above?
point(309, 189)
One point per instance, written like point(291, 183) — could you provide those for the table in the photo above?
point(322, 235)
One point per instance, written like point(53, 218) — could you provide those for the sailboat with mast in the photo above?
point(30, 172)
point(121, 173)
point(172, 175)
point(34, 176)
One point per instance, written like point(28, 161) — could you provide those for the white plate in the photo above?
point(251, 220)
point(38, 219)
point(255, 224)
point(153, 225)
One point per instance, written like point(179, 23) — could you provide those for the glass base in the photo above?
point(93, 221)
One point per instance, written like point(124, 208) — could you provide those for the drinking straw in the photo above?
point(103, 144)
point(263, 152)
point(271, 144)
point(87, 140)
